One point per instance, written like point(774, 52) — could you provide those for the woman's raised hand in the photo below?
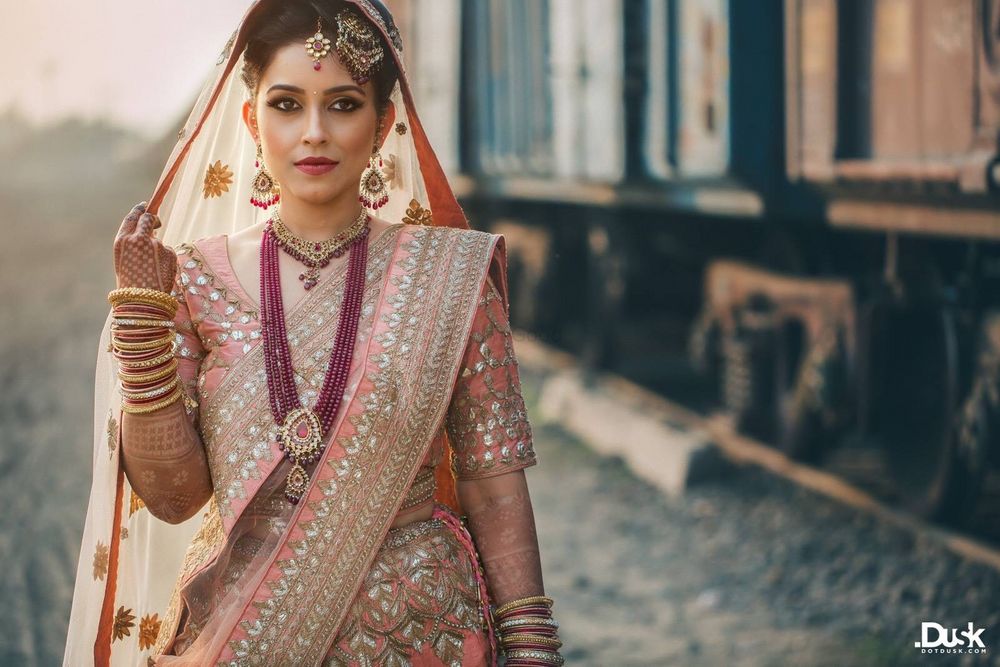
point(141, 260)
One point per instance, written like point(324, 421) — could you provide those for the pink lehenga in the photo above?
point(432, 397)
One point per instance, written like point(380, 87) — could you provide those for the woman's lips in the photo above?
point(315, 169)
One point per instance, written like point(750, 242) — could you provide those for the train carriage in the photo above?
point(784, 209)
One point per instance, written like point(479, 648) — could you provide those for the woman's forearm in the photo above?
point(502, 523)
point(165, 462)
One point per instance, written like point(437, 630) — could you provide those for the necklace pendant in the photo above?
point(296, 484)
point(300, 438)
point(310, 278)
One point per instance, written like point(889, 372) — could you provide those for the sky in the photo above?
point(138, 63)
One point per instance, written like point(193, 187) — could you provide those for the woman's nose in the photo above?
point(316, 131)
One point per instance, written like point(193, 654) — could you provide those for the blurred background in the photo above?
point(775, 223)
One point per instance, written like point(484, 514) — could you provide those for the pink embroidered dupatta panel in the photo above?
point(298, 569)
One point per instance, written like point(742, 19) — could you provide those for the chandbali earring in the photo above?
point(374, 191)
point(264, 191)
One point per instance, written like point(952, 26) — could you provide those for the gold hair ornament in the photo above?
point(358, 46)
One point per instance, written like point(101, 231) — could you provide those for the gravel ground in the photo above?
point(747, 570)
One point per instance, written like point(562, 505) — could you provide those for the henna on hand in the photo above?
point(142, 260)
point(165, 462)
point(502, 524)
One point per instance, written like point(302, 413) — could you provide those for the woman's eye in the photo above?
point(350, 105)
point(277, 104)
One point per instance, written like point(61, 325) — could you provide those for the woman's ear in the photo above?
point(388, 120)
point(250, 120)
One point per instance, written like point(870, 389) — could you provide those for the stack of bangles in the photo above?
point(142, 337)
point(528, 632)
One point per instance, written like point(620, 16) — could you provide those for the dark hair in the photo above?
point(293, 21)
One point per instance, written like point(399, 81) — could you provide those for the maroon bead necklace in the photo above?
point(302, 429)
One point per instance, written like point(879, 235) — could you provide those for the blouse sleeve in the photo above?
point(487, 422)
point(188, 348)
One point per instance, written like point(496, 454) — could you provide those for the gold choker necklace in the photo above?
point(317, 254)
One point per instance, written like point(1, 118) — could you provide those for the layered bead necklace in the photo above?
point(317, 254)
point(302, 429)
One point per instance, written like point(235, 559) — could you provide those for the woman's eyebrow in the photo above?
point(328, 91)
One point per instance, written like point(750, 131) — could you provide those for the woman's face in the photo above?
point(301, 113)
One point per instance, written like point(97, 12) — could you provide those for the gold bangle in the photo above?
point(155, 361)
point(527, 620)
point(154, 343)
point(146, 377)
point(527, 637)
point(151, 408)
point(522, 602)
point(119, 323)
point(151, 393)
point(550, 657)
point(142, 295)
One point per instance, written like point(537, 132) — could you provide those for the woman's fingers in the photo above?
point(147, 223)
point(129, 223)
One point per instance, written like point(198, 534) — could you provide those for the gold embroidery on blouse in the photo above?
point(420, 591)
point(210, 290)
point(497, 418)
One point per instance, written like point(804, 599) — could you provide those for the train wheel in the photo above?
point(808, 419)
point(919, 407)
point(748, 363)
point(976, 431)
point(705, 351)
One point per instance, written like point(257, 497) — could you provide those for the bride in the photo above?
point(310, 440)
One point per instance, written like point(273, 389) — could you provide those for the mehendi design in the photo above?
point(503, 527)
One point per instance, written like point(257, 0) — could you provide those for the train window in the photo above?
point(587, 66)
point(545, 87)
point(687, 109)
point(433, 57)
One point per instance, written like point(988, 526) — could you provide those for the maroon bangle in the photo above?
point(145, 386)
point(143, 355)
point(124, 312)
point(140, 333)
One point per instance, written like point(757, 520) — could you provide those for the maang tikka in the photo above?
point(318, 45)
point(264, 190)
point(358, 47)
